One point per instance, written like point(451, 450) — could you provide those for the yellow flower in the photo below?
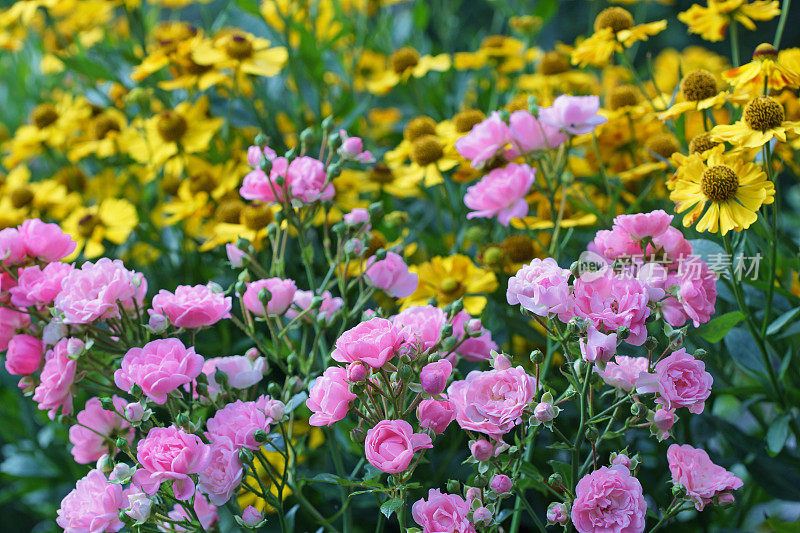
point(402, 65)
point(101, 136)
point(242, 52)
point(762, 121)
point(502, 53)
point(234, 220)
point(112, 220)
point(449, 278)
point(765, 71)
point(712, 22)
point(670, 65)
point(613, 32)
point(167, 37)
point(698, 92)
point(733, 190)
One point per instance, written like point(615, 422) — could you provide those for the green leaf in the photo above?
point(390, 506)
point(249, 6)
point(779, 323)
point(716, 330)
point(777, 434)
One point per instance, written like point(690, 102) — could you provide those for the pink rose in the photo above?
point(442, 512)
point(575, 115)
point(241, 371)
point(540, 287)
point(623, 371)
point(642, 225)
point(39, 286)
point(57, 378)
point(372, 342)
point(205, 511)
point(501, 193)
point(501, 483)
point(485, 141)
point(235, 255)
point(433, 376)
point(435, 415)
point(615, 243)
point(545, 412)
point(11, 321)
point(610, 500)
point(260, 187)
point(93, 505)
point(528, 135)
point(256, 154)
point(160, 367)
point(598, 346)
point(24, 355)
point(329, 397)
point(97, 428)
point(223, 474)
point(391, 275)
point(391, 445)
point(492, 401)
point(325, 313)
point(696, 295)
point(680, 380)
point(482, 450)
point(12, 247)
point(307, 180)
point(557, 513)
point(192, 307)
point(476, 341)
point(239, 420)
point(663, 420)
point(280, 293)
point(671, 244)
point(167, 454)
point(703, 480)
point(45, 241)
point(357, 218)
point(421, 326)
point(482, 516)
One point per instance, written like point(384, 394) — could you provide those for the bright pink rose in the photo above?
point(477, 343)
point(434, 376)
point(93, 505)
point(680, 380)
point(372, 342)
point(442, 513)
point(239, 420)
point(492, 401)
point(703, 480)
point(95, 291)
point(598, 346)
point(435, 415)
point(251, 517)
point(663, 420)
point(482, 450)
point(279, 298)
point(223, 474)
point(12, 247)
point(615, 243)
point(528, 135)
point(205, 511)
point(45, 241)
point(575, 115)
point(170, 454)
point(329, 397)
point(192, 307)
point(391, 275)
point(540, 287)
point(325, 313)
point(696, 295)
point(258, 186)
point(358, 218)
point(623, 371)
point(501, 193)
point(306, 178)
point(557, 513)
point(670, 244)
point(11, 322)
point(641, 225)
point(57, 378)
point(609, 500)
point(391, 444)
point(257, 154)
point(96, 428)
point(242, 372)
point(24, 355)
point(501, 483)
point(160, 367)
point(421, 326)
point(485, 141)
point(357, 372)
point(39, 286)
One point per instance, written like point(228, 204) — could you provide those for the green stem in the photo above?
point(735, 43)
point(781, 23)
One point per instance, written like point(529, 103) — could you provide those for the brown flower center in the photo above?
point(103, 125)
point(239, 47)
point(553, 63)
point(664, 145)
point(256, 217)
point(87, 224)
point(519, 248)
point(464, 120)
point(73, 178)
point(44, 115)
point(21, 196)
point(403, 59)
point(699, 85)
point(616, 18)
point(623, 96)
point(419, 126)
point(719, 183)
point(201, 182)
point(701, 142)
point(171, 126)
point(763, 114)
point(229, 212)
point(426, 150)
point(765, 51)
point(380, 173)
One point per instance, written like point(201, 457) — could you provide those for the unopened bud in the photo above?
point(260, 435)
point(651, 343)
point(537, 357)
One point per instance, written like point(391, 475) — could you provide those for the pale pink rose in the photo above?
point(160, 367)
point(192, 307)
point(358, 218)
point(170, 454)
point(38, 286)
point(528, 135)
point(391, 444)
point(609, 500)
point(623, 371)
point(433, 376)
point(372, 342)
point(544, 412)
point(256, 154)
point(11, 322)
point(329, 397)
point(541, 287)
point(482, 450)
point(205, 511)
point(357, 372)
point(421, 326)
point(477, 344)
point(492, 401)
point(435, 415)
point(501, 193)
point(598, 346)
point(485, 141)
point(557, 513)
point(482, 516)
point(93, 505)
point(352, 149)
point(45, 241)
point(241, 371)
point(642, 225)
point(96, 290)
point(472, 494)
point(615, 243)
point(307, 180)
point(663, 420)
point(704, 481)
point(575, 115)
point(251, 517)
point(621, 459)
point(442, 513)
point(239, 420)
point(696, 295)
point(139, 506)
point(680, 380)
point(501, 483)
point(280, 296)
point(24, 355)
point(235, 255)
point(97, 428)
point(324, 314)
point(57, 378)
point(223, 474)
point(391, 275)
point(258, 186)
point(12, 247)
point(670, 244)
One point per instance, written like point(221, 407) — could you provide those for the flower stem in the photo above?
point(782, 23)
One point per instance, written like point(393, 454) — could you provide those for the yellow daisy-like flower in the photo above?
point(101, 136)
point(711, 22)
point(722, 193)
point(765, 71)
point(404, 64)
point(670, 65)
point(429, 158)
point(698, 92)
point(113, 220)
point(450, 278)
point(503, 53)
point(762, 121)
point(613, 32)
point(243, 52)
point(234, 220)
